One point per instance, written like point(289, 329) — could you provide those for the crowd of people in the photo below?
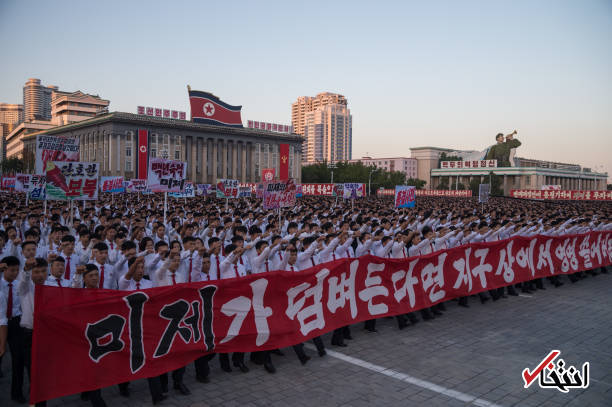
point(123, 243)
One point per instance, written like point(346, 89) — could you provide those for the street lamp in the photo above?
point(331, 166)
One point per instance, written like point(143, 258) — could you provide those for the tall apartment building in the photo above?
point(10, 117)
point(326, 124)
point(71, 107)
point(37, 100)
point(328, 134)
point(305, 104)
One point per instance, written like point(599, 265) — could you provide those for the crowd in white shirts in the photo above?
point(128, 246)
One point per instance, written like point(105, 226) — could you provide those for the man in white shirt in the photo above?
point(8, 286)
point(34, 273)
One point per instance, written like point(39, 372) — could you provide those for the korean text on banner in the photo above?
point(166, 175)
point(227, 188)
point(50, 148)
point(203, 189)
point(72, 180)
point(137, 185)
point(8, 183)
point(22, 182)
point(112, 184)
point(37, 187)
point(353, 191)
point(112, 336)
point(279, 194)
point(405, 196)
point(187, 192)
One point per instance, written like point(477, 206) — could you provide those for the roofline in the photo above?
point(433, 148)
point(133, 118)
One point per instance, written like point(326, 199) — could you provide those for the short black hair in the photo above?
point(10, 261)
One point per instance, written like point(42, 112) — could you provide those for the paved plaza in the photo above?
point(469, 356)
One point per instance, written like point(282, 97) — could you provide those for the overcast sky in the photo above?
point(439, 73)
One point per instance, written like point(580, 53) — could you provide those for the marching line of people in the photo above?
point(128, 246)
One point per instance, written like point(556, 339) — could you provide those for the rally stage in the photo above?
point(469, 356)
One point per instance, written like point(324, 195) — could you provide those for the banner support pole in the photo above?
point(165, 205)
point(27, 198)
point(45, 208)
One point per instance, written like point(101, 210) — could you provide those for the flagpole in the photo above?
point(45, 208)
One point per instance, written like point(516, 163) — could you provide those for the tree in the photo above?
point(609, 187)
point(496, 185)
point(475, 185)
point(418, 183)
point(12, 165)
point(356, 172)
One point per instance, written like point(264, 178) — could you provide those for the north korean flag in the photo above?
point(209, 109)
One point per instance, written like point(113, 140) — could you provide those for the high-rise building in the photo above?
point(37, 100)
point(305, 104)
point(10, 116)
point(328, 134)
point(326, 124)
point(70, 107)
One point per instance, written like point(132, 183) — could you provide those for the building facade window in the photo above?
point(257, 161)
point(153, 146)
point(129, 137)
point(177, 147)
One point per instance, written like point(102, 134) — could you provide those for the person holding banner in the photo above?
point(169, 274)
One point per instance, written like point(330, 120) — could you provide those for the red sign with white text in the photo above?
point(319, 189)
point(110, 336)
point(562, 195)
point(267, 174)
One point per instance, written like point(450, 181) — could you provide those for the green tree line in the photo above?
point(357, 172)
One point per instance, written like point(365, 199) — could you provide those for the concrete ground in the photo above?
point(469, 356)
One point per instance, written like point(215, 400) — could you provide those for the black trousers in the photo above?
point(27, 354)
point(177, 377)
point(318, 343)
point(201, 365)
point(15, 340)
point(237, 358)
point(95, 396)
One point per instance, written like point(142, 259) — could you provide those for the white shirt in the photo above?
point(132, 285)
point(164, 276)
point(230, 270)
point(4, 288)
point(52, 281)
point(110, 277)
point(3, 320)
point(26, 296)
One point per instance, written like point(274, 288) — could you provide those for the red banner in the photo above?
point(105, 337)
point(284, 162)
point(466, 193)
point(562, 195)
point(143, 153)
point(318, 189)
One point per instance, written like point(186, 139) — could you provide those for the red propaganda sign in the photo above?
point(430, 192)
point(280, 194)
point(466, 193)
point(267, 174)
point(251, 185)
point(385, 192)
point(318, 189)
point(562, 195)
point(283, 166)
point(143, 153)
point(111, 336)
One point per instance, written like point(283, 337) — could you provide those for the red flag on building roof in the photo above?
point(208, 109)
